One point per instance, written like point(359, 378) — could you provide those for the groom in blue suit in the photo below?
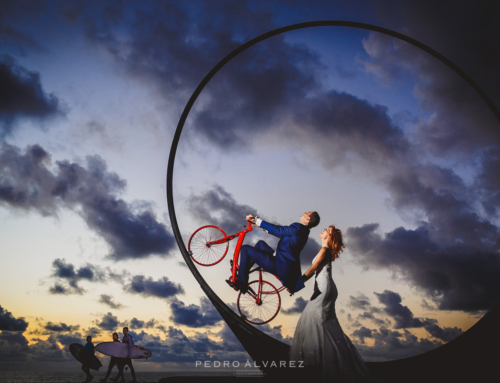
point(285, 264)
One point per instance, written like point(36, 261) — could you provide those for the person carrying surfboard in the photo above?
point(127, 338)
point(114, 361)
point(88, 355)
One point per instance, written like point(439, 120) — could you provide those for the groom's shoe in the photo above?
point(241, 286)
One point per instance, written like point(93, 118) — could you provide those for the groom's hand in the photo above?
point(250, 218)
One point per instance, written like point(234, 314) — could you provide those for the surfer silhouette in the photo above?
point(88, 355)
point(114, 361)
point(127, 338)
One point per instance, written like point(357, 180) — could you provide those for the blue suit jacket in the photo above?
point(293, 238)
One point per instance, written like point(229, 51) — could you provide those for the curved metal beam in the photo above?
point(260, 346)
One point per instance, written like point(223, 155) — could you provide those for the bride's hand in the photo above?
point(324, 242)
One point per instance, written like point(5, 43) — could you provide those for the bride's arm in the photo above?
point(319, 258)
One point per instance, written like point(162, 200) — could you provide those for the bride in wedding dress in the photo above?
point(319, 340)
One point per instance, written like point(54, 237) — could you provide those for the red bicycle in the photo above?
point(209, 245)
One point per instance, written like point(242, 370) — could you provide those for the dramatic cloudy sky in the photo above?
point(380, 138)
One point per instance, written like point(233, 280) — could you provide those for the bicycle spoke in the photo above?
point(204, 253)
point(267, 309)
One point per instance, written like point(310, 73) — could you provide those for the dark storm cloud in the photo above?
point(131, 230)
point(255, 87)
point(352, 322)
point(488, 180)
point(193, 315)
point(445, 334)
point(175, 333)
point(147, 287)
point(61, 327)
point(48, 351)
point(297, 307)
point(391, 344)
point(275, 332)
point(67, 339)
point(273, 84)
point(108, 300)
point(256, 91)
point(461, 122)
point(362, 333)
point(72, 11)
point(130, 235)
point(445, 273)
point(136, 323)
point(117, 277)
point(336, 126)
point(21, 95)
point(13, 347)
point(202, 343)
point(10, 36)
point(229, 340)
point(92, 331)
point(178, 342)
point(451, 239)
point(109, 322)
point(448, 205)
point(368, 315)
point(9, 323)
point(361, 302)
point(454, 258)
point(218, 207)
point(67, 272)
point(402, 315)
point(58, 289)
point(404, 318)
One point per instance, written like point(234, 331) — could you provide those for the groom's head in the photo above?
point(310, 219)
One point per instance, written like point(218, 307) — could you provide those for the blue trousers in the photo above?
point(260, 254)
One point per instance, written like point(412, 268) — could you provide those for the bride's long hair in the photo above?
point(335, 241)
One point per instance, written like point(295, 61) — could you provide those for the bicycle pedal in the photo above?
point(230, 283)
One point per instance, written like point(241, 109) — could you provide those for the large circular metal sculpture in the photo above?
point(471, 357)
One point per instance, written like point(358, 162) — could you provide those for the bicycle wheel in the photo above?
point(259, 312)
point(204, 254)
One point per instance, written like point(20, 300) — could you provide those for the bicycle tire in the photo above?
point(266, 311)
point(207, 255)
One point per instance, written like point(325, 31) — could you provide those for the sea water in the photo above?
point(79, 376)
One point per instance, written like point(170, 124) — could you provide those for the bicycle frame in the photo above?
point(236, 255)
point(234, 263)
point(209, 245)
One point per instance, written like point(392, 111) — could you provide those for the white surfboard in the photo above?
point(120, 350)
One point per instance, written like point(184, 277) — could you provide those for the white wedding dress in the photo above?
point(319, 340)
